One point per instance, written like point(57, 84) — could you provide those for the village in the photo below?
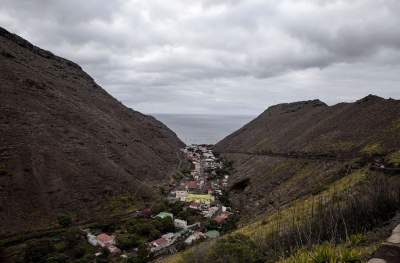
point(197, 209)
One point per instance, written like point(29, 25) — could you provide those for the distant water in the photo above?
point(198, 129)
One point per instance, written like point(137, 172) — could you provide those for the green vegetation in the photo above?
point(129, 241)
point(149, 229)
point(68, 247)
point(234, 249)
point(332, 253)
point(341, 216)
point(64, 220)
point(121, 204)
point(342, 146)
point(372, 149)
point(225, 227)
point(394, 159)
point(38, 251)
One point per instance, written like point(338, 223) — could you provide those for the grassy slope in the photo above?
point(301, 207)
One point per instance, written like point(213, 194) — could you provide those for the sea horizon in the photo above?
point(200, 128)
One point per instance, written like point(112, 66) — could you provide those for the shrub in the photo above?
point(71, 237)
point(234, 249)
point(38, 251)
point(57, 258)
point(126, 242)
point(64, 220)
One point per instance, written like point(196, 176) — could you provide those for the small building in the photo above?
point(145, 212)
point(181, 195)
point(192, 185)
point(168, 236)
point(195, 205)
point(221, 217)
point(114, 250)
point(179, 223)
point(210, 212)
point(105, 240)
point(92, 239)
point(158, 244)
point(212, 234)
point(163, 215)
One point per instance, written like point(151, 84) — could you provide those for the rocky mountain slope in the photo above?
point(66, 145)
point(292, 150)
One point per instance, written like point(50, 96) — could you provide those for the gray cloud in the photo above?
point(221, 56)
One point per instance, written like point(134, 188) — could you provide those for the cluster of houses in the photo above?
point(185, 236)
point(200, 191)
point(104, 241)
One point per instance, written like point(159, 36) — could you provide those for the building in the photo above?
point(179, 223)
point(221, 217)
point(114, 250)
point(163, 215)
point(195, 205)
point(158, 244)
point(197, 235)
point(92, 239)
point(145, 212)
point(105, 240)
point(181, 195)
point(210, 212)
point(169, 236)
point(192, 186)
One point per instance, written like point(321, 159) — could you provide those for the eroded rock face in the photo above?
point(66, 144)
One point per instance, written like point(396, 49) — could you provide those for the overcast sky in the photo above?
point(221, 56)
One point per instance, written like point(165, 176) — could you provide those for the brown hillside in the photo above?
point(295, 149)
point(66, 145)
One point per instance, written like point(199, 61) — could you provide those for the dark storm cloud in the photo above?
point(228, 56)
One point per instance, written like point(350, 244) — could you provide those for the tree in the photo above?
point(126, 242)
point(165, 225)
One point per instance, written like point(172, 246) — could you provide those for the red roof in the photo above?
point(105, 238)
point(192, 185)
point(221, 217)
point(159, 242)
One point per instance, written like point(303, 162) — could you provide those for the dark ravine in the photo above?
point(294, 149)
point(66, 145)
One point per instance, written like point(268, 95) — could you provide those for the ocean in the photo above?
point(203, 129)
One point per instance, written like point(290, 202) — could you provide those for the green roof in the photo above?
point(163, 215)
point(212, 234)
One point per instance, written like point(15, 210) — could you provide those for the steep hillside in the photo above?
point(313, 183)
point(295, 149)
point(66, 145)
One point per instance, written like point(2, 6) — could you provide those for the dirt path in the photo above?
point(389, 252)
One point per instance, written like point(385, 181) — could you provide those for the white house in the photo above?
point(92, 239)
point(181, 195)
point(179, 223)
point(210, 212)
point(105, 240)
